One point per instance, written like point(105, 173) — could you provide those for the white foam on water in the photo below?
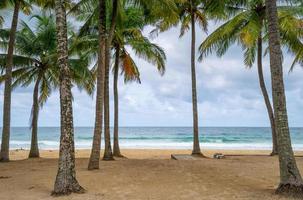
point(86, 144)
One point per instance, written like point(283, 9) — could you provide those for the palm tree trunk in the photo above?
point(108, 155)
point(95, 153)
point(290, 179)
point(66, 181)
point(266, 98)
point(34, 151)
point(4, 154)
point(117, 152)
point(196, 144)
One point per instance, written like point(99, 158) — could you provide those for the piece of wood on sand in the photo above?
point(185, 157)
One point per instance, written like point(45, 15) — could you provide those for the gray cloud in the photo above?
point(229, 93)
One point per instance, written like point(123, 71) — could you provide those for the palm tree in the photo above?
point(4, 153)
point(191, 12)
point(291, 182)
point(35, 61)
point(95, 153)
point(66, 181)
point(129, 34)
point(91, 12)
point(292, 38)
point(248, 28)
point(108, 155)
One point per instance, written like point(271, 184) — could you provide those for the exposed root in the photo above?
point(75, 188)
point(290, 190)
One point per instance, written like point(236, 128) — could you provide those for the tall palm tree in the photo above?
point(291, 182)
point(18, 4)
point(35, 61)
point(108, 155)
point(190, 13)
point(248, 28)
point(66, 181)
point(89, 12)
point(129, 34)
point(95, 153)
point(94, 13)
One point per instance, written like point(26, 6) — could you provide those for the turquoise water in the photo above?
point(162, 137)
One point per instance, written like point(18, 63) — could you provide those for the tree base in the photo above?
point(4, 159)
point(290, 190)
point(34, 155)
point(108, 158)
point(93, 165)
point(273, 153)
point(67, 191)
point(118, 155)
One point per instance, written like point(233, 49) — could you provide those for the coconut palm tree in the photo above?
point(291, 183)
point(129, 34)
point(94, 12)
point(35, 61)
point(292, 38)
point(91, 12)
point(95, 153)
point(108, 155)
point(66, 181)
point(248, 28)
point(25, 7)
point(190, 12)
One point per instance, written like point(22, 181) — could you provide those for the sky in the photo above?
point(228, 92)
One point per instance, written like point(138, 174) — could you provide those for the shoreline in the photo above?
point(21, 154)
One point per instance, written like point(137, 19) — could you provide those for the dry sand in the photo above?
point(147, 175)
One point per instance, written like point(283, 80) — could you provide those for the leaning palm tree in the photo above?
point(248, 28)
point(129, 34)
point(66, 181)
point(94, 12)
point(25, 7)
point(291, 183)
point(35, 61)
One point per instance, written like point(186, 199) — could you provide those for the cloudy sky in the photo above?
point(228, 93)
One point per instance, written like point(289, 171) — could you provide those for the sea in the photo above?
point(242, 138)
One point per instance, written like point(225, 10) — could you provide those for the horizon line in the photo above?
point(158, 127)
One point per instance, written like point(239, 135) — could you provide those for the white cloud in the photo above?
point(229, 93)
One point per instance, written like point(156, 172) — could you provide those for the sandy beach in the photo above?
point(147, 174)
